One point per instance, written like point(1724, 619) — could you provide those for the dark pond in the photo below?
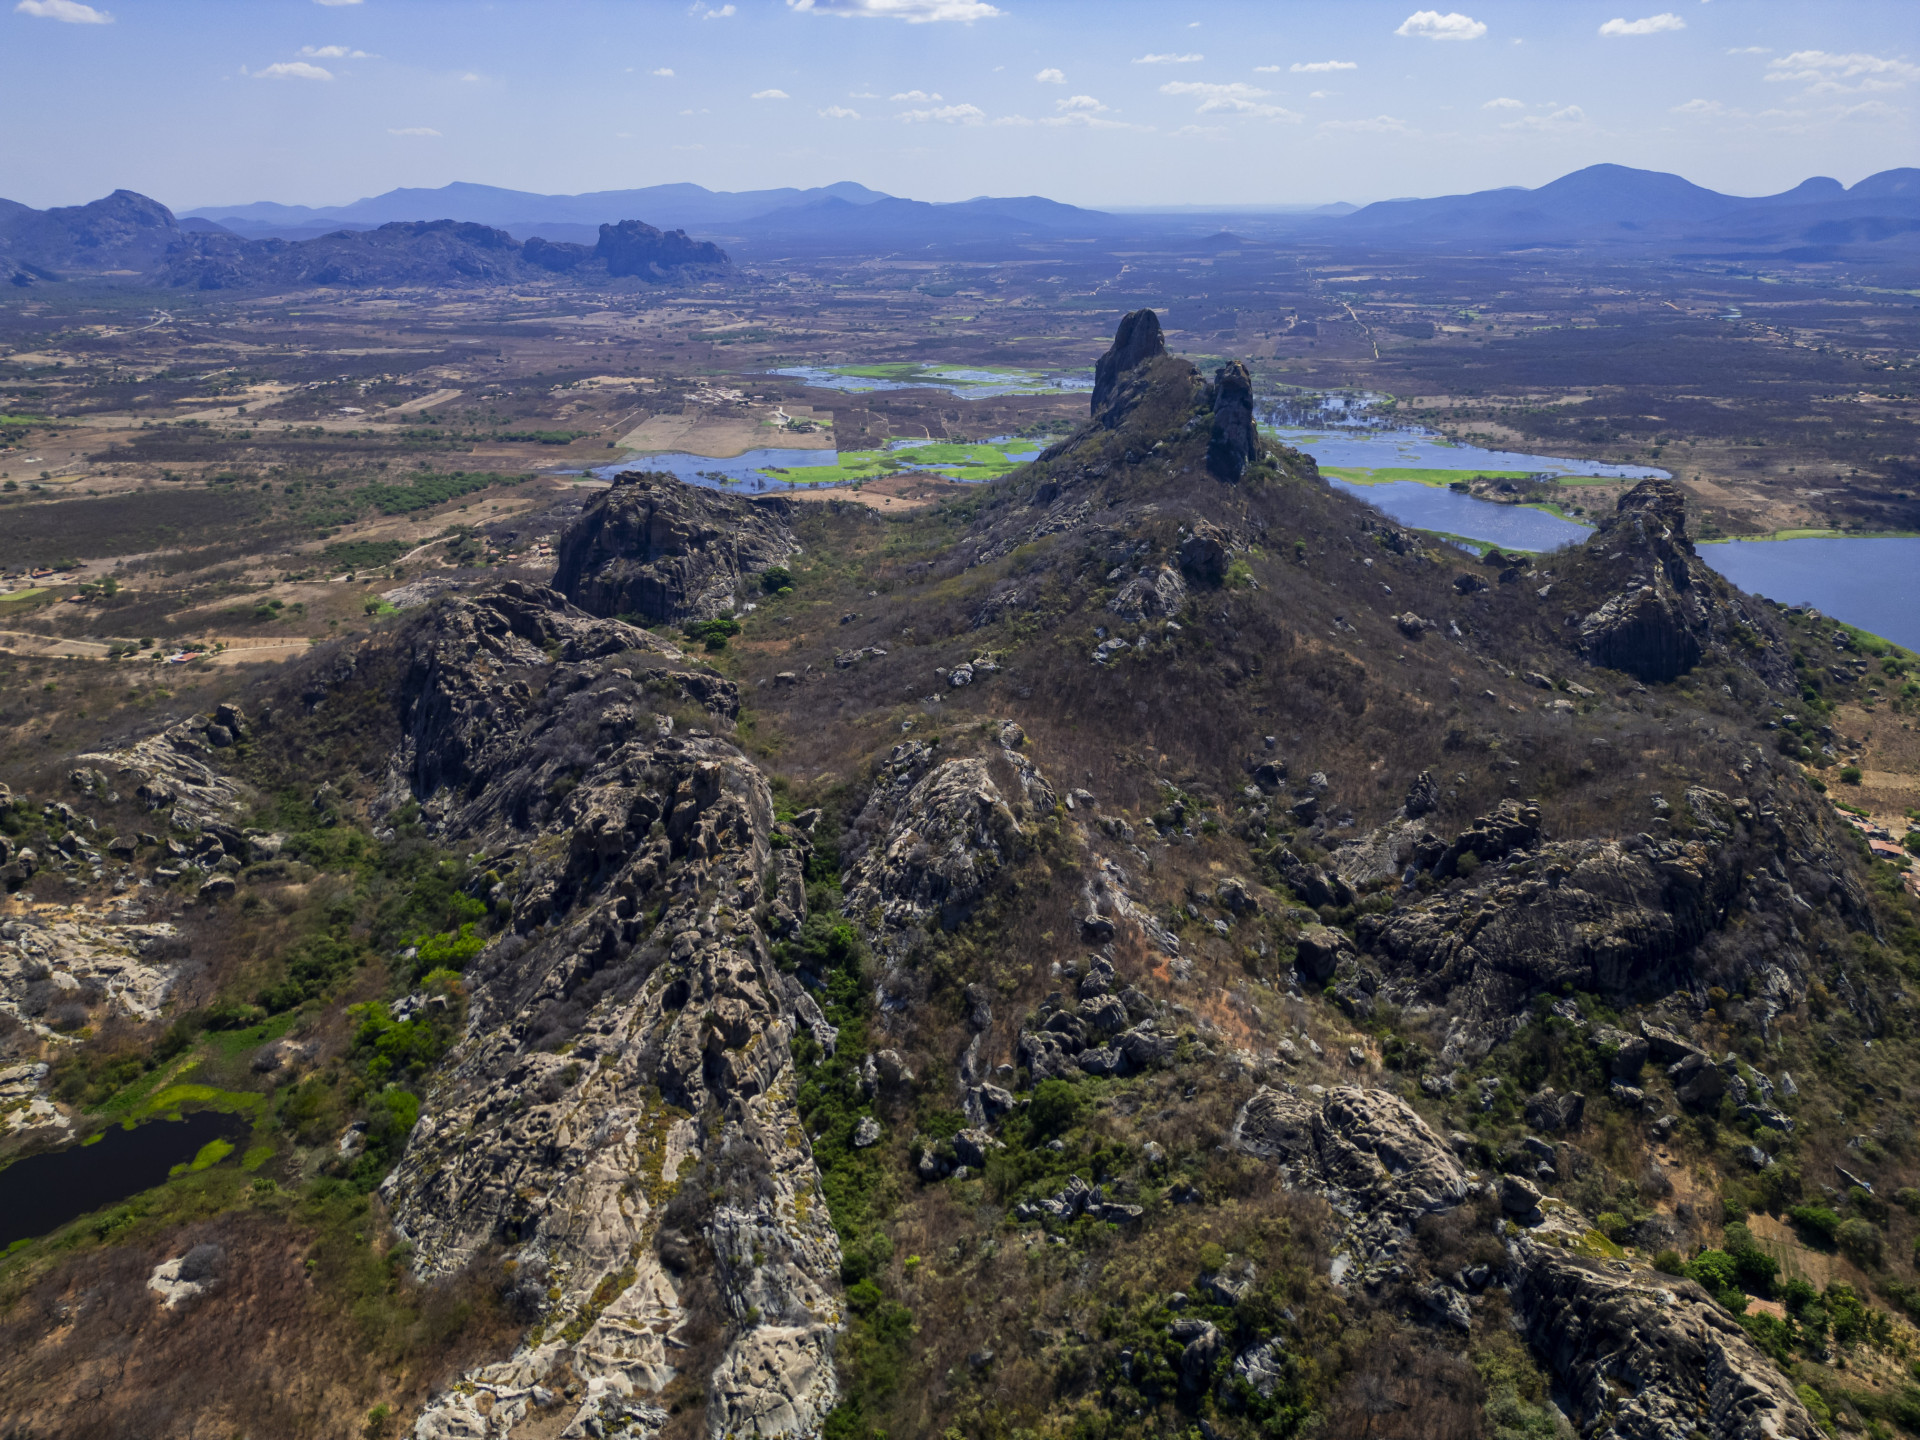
point(45, 1191)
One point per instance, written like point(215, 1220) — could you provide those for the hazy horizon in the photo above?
point(324, 102)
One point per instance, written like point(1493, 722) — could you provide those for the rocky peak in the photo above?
point(1233, 444)
point(1665, 611)
point(666, 551)
point(634, 247)
point(1137, 341)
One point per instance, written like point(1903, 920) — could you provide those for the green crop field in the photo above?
point(956, 462)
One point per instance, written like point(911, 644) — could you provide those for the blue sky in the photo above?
point(1091, 101)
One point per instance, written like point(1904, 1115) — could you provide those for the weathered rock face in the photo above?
point(1233, 444)
point(1667, 609)
point(1367, 1151)
point(1161, 592)
point(478, 751)
point(1627, 918)
point(653, 547)
point(1646, 1356)
point(1137, 341)
point(948, 838)
point(634, 942)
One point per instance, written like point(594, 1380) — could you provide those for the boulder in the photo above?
point(1553, 1112)
point(1697, 1080)
point(1203, 555)
point(1318, 952)
point(1423, 796)
point(866, 1133)
point(1518, 1196)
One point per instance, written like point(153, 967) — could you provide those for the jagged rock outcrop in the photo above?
point(635, 248)
point(1367, 1152)
point(1646, 1356)
point(949, 836)
point(653, 547)
point(1159, 593)
point(1233, 443)
point(1666, 610)
point(633, 945)
point(1136, 341)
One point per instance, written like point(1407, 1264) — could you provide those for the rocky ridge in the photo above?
point(633, 941)
point(653, 547)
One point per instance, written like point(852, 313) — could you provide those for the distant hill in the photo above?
point(127, 234)
point(679, 206)
point(1619, 206)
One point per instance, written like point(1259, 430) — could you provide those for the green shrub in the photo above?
point(1713, 1270)
point(1669, 1262)
point(1862, 1242)
point(1055, 1106)
point(1815, 1222)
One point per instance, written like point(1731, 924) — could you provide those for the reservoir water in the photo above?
point(1865, 581)
point(961, 380)
point(1426, 508)
point(45, 1191)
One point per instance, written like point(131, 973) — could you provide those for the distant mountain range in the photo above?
point(126, 234)
point(520, 212)
point(482, 234)
point(1615, 205)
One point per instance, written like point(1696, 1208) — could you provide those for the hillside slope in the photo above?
point(1149, 947)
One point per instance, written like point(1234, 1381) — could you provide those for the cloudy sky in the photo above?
point(1096, 102)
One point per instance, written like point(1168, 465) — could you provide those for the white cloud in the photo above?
point(914, 12)
point(70, 12)
point(725, 12)
point(1321, 94)
point(1013, 120)
point(1052, 76)
point(770, 95)
point(334, 52)
point(1323, 67)
point(946, 115)
point(471, 78)
point(1651, 25)
point(1169, 59)
point(1432, 25)
point(336, 2)
point(862, 95)
point(1084, 103)
point(1750, 50)
point(839, 112)
point(1704, 107)
point(1825, 73)
point(1504, 102)
point(912, 95)
point(1268, 69)
point(665, 72)
point(1376, 125)
point(293, 70)
point(1236, 98)
point(1568, 116)
point(416, 130)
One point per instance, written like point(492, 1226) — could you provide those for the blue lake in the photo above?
point(1398, 448)
point(1864, 581)
point(747, 472)
point(954, 379)
point(1426, 508)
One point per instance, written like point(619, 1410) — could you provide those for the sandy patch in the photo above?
point(722, 437)
point(894, 494)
